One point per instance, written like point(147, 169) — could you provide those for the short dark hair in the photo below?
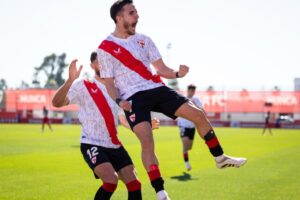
point(93, 56)
point(117, 7)
point(191, 87)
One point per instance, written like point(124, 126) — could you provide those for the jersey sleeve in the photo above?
point(106, 64)
point(153, 52)
point(74, 93)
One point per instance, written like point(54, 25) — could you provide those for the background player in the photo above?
point(125, 59)
point(46, 119)
point(100, 145)
point(267, 124)
point(187, 128)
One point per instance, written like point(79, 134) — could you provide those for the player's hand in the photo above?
point(74, 73)
point(155, 123)
point(183, 70)
point(125, 105)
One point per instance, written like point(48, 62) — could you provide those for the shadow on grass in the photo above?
point(184, 177)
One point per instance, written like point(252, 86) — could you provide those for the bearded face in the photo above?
point(129, 19)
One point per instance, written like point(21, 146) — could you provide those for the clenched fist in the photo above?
point(183, 70)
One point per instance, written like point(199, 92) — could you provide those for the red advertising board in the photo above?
point(218, 101)
point(32, 100)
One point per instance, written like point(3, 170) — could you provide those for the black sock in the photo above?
point(102, 194)
point(158, 184)
point(213, 144)
point(135, 195)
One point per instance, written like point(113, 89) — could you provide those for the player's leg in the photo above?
point(123, 165)
point(189, 111)
point(49, 125)
point(270, 131)
point(143, 131)
point(264, 130)
point(139, 120)
point(109, 179)
point(43, 126)
point(186, 146)
point(129, 178)
point(98, 160)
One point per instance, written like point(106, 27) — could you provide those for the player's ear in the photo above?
point(119, 18)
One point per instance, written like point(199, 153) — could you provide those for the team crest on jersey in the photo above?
point(132, 117)
point(94, 160)
point(141, 43)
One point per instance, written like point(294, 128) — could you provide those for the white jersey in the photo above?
point(94, 130)
point(128, 81)
point(182, 122)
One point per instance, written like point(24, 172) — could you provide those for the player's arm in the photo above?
point(164, 71)
point(123, 121)
point(115, 95)
point(60, 98)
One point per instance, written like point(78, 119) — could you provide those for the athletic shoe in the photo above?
point(188, 166)
point(225, 161)
point(163, 195)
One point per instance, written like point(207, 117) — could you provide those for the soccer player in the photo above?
point(125, 57)
point(267, 123)
point(46, 119)
point(100, 146)
point(187, 128)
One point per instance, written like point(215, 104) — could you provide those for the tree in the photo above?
point(52, 67)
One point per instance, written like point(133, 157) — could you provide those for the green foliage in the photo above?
point(53, 67)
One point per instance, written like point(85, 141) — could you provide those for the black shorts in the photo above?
point(162, 99)
point(187, 132)
point(95, 155)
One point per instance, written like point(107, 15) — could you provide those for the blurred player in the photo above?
point(45, 119)
point(187, 128)
point(100, 146)
point(125, 57)
point(267, 124)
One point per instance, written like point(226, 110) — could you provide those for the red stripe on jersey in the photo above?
point(104, 109)
point(213, 142)
point(128, 60)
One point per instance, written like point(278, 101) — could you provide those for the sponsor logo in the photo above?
point(117, 51)
point(23, 98)
point(141, 43)
point(94, 90)
point(132, 117)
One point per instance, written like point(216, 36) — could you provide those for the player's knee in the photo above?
point(199, 116)
point(112, 179)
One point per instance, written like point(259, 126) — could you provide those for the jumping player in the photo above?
point(187, 128)
point(100, 146)
point(125, 57)
point(46, 119)
point(267, 124)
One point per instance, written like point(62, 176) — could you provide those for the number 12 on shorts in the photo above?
point(92, 153)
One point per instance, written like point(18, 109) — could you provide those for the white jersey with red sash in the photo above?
point(98, 113)
point(128, 62)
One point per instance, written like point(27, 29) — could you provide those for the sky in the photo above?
point(229, 44)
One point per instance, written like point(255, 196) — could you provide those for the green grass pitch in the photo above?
point(36, 166)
